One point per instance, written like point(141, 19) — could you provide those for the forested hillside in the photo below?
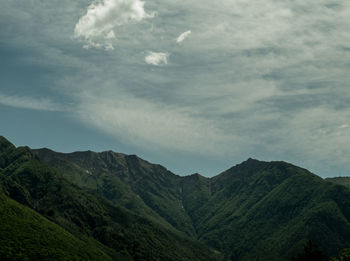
point(121, 207)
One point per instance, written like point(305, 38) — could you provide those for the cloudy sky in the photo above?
point(197, 86)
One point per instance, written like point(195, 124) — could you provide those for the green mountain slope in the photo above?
point(138, 185)
point(269, 210)
point(98, 179)
point(25, 178)
point(265, 210)
point(26, 235)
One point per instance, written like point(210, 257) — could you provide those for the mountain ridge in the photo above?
point(236, 194)
point(255, 209)
point(127, 234)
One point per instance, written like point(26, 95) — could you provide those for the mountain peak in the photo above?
point(250, 163)
point(251, 160)
point(5, 144)
point(196, 175)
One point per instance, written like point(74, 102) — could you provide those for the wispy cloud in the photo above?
point(183, 36)
point(157, 59)
point(271, 77)
point(42, 104)
point(97, 28)
point(151, 124)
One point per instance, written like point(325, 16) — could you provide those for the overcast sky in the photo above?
point(197, 86)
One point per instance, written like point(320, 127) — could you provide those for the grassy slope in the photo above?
point(26, 235)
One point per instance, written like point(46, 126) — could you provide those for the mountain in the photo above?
point(270, 209)
point(24, 234)
point(136, 184)
point(255, 209)
point(124, 234)
point(345, 181)
point(132, 209)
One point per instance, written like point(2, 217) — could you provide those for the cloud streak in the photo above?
point(183, 36)
point(151, 124)
point(41, 104)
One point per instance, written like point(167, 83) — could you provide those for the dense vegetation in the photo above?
point(128, 208)
point(26, 235)
point(125, 236)
point(274, 208)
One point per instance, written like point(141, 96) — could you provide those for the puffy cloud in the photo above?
point(157, 59)
point(183, 36)
point(97, 26)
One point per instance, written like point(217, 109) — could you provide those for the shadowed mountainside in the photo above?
point(121, 234)
point(123, 207)
point(255, 209)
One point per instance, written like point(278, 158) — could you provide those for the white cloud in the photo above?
point(183, 36)
point(97, 27)
point(41, 104)
point(272, 76)
point(157, 59)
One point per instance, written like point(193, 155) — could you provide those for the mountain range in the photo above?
point(113, 206)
